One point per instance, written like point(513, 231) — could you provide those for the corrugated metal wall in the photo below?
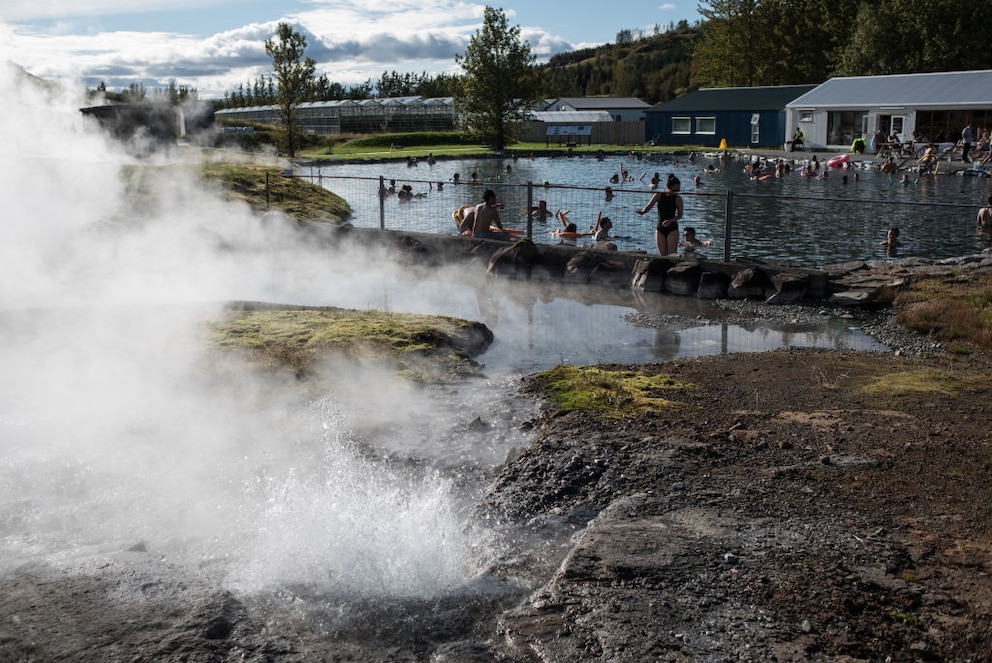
point(734, 126)
point(603, 133)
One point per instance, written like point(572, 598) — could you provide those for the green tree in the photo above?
point(913, 36)
point(729, 49)
point(295, 80)
point(499, 83)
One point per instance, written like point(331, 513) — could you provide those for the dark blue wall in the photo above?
point(735, 126)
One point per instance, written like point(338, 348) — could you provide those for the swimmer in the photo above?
point(689, 241)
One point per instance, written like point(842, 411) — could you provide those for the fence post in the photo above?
point(382, 203)
point(530, 208)
point(728, 224)
point(266, 190)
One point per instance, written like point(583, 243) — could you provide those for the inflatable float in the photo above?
point(839, 161)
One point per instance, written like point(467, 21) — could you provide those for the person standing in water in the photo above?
point(669, 202)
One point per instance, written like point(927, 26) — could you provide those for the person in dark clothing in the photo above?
point(669, 202)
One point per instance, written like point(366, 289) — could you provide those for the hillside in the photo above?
point(655, 68)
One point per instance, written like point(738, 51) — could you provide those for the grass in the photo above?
point(956, 310)
point(613, 394)
point(921, 381)
point(420, 347)
point(442, 144)
point(265, 188)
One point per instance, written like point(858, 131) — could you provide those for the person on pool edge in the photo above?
point(669, 202)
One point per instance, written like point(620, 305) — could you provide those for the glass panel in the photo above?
point(705, 125)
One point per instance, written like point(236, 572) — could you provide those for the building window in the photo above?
point(706, 125)
point(805, 116)
point(844, 126)
point(681, 125)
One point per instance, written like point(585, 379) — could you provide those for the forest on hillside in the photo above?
point(742, 43)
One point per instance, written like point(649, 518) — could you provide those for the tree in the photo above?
point(294, 77)
point(499, 83)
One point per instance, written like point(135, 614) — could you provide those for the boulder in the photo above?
point(789, 287)
point(649, 275)
point(515, 260)
point(610, 274)
point(594, 266)
point(683, 278)
point(749, 283)
point(713, 285)
point(852, 298)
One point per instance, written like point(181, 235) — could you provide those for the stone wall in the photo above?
point(850, 284)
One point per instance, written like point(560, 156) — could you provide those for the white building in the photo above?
point(621, 109)
point(938, 105)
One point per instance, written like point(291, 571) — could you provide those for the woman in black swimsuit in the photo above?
point(666, 234)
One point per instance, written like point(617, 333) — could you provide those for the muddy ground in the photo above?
point(790, 505)
point(779, 510)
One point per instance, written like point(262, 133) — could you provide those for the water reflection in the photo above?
point(540, 325)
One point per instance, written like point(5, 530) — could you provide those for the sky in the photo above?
point(215, 45)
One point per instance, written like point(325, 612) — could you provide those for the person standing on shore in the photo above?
point(966, 138)
point(669, 202)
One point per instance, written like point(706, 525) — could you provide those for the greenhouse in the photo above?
point(329, 118)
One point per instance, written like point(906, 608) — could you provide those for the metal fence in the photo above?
point(801, 230)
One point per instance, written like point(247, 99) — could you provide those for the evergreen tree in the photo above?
point(499, 83)
point(294, 76)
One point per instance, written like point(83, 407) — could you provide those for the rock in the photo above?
point(852, 297)
point(593, 266)
point(749, 283)
point(683, 278)
point(789, 287)
point(713, 285)
point(514, 260)
point(649, 275)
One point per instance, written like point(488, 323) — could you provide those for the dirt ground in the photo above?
point(792, 505)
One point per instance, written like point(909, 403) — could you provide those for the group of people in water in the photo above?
point(482, 220)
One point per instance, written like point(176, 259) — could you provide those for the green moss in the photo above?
point(420, 347)
point(922, 381)
point(614, 394)
point(265, 188)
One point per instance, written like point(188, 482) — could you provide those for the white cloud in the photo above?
point(351, 42)
point(32, 10)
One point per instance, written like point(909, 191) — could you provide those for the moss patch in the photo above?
point(921, 381)
point(297, 197)
point(420, 347)
point(614, 394)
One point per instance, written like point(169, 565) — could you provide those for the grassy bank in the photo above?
point(450, 144)
point(422, 348)
point(264, 188)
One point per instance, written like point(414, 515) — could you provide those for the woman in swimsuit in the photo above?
point(666, 234)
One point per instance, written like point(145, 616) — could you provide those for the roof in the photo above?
point(349, 103)
point(601, 103)
point(571, 117)
point(955, 88)
point(745, 99)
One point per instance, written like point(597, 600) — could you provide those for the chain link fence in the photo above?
point(809, 231)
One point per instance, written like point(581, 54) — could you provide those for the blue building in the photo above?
point(741, 116)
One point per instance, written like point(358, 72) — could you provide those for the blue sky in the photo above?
point(213, 45)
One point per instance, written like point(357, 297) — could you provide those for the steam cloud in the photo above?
point(111, 433)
